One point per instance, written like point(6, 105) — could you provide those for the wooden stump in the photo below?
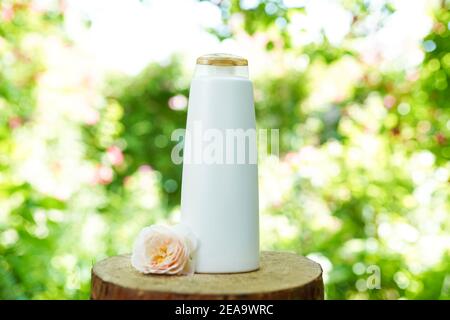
point(281, 275)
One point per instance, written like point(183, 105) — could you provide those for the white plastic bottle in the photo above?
point(219, 199)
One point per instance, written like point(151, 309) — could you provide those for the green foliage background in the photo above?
point(362, 181)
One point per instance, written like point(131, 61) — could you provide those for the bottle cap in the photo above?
point(222, 60)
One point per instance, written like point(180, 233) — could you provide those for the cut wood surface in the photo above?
point(281, 275)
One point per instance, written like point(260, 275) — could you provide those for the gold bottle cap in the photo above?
point(222, 59)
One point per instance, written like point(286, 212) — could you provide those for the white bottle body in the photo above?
point(219, 201)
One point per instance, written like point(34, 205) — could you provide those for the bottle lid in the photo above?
point(222, 60)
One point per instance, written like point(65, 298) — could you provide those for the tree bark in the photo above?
point(281, 275)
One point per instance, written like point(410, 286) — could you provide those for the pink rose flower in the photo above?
point(115, 155)
point(164, 250)
point(103, 175)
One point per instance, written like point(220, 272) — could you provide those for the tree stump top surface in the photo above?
point(281, 275)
